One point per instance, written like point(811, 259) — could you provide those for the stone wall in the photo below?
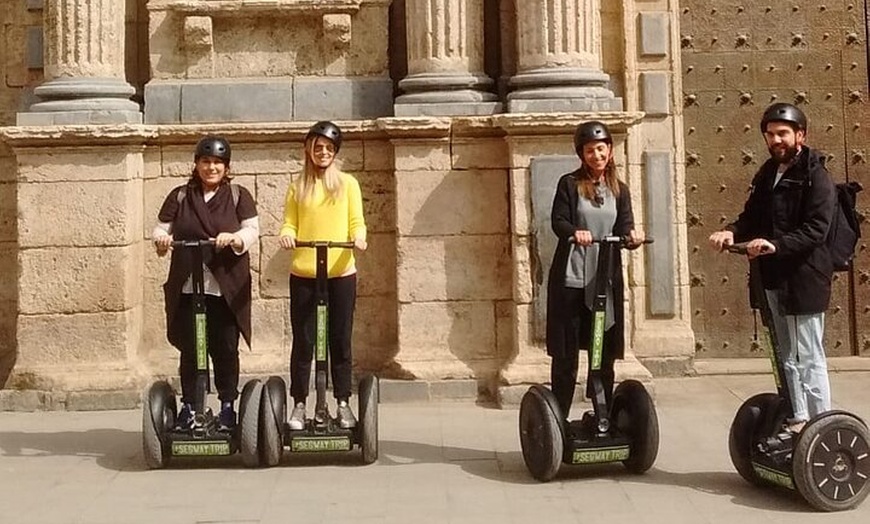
point(451, 287)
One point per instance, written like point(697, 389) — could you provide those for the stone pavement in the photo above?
point(440, 462)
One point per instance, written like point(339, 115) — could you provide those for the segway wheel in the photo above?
point(249, 418)
point(273, 413)
point(158, 418)
point(541, 436)
point(367, 398)
point(634, 414)
point(744, 429)
point(832, 462)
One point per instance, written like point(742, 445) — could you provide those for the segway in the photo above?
point(161, 441)
point(827, 463)
point(321, 433)
point(624, 430)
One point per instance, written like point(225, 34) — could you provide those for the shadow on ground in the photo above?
point(509, 467)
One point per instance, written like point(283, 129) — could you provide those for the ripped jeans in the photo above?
point(803, 357)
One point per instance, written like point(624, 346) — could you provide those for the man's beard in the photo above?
point(783, 156)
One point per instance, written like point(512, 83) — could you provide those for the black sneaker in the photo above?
point(185, 418)
point(227, 417)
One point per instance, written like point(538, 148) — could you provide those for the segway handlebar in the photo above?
point(327, 243)
point(192, 243)
point(623, 241)
point(739, 248)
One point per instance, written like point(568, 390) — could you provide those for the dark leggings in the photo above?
point(563, 375)
point(223, 346)
point(303, 319)
point(563, 369)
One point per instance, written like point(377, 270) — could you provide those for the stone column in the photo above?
point(559, 58)
point(84, 66)
point(445, 61)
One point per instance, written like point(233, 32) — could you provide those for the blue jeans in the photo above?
point(803, 357)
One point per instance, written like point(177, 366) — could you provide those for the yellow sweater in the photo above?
point(319, 218)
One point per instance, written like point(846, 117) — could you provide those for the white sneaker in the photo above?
point(297, 417)
point(344, 415)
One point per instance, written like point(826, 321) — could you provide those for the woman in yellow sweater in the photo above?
point(322, 204)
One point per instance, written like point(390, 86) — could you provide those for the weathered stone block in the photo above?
point(151, 163)
point(8, 167)
point(276, 158)
point(155, 192)
point(82, 280)
point(67, 340)
point(375, 331)
point(351, 158)
point(274, 268)
point(79, 164)
point(323, 98)
point(271, 197)
point(8, 271)
point(162, 102)
point(270, 326)
point(378, 155)
point(447, 340)
point(379, 200)
point(377, 266)
point(422, 155)
point(239, 100)
point(480, 153)
point(654, 33)
point(103, 214)
point(34, 51)
point(477, 202)
point(656, 93)
point(468, 267)
point(8, 212)
point(658, 175)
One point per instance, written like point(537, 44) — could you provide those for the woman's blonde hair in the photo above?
point(586, 186)
point(305, 184)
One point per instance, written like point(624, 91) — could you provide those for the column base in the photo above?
point(561, 90)
point(61, 118)
point(446, 94)
point(82, 101)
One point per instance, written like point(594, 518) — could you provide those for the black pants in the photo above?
point(303, 320)
point(222, 335)
point(563, 370)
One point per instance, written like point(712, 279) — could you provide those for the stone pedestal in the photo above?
point(84, 66)
point(80, 273)
point(445, 61)
point(558, 56)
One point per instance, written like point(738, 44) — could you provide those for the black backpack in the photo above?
point(845, 227)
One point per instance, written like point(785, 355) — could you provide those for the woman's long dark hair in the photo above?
point(586, 187)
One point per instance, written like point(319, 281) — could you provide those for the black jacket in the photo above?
point(564, 220)
point(794, 216)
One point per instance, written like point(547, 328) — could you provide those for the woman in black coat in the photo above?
point(589, 203)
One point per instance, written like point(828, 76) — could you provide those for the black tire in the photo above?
point(158, 418)
point(634, 414)
point(368, 398)
point(273, 413)
point(249, 421)
point(541, 436)
point(748, 422)
point(831, 461)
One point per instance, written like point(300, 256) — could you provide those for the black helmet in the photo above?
point(216, 146)
point(784, 113)
point(590, 132)
point(328, 130)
